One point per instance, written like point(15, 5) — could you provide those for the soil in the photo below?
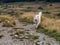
point(8, 40)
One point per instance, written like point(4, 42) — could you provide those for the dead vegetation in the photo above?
point(51, 24)
point(7, 20)
point(27, 17)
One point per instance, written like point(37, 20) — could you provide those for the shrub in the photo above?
point(54, 31)
point(58, 14)
point(46, 12)
point(21, 13)
point(12, 13)
point(33, 37)
point(9, 23)
point(29, 7)
point(50, 4)
point(57, 38)
point(41, 7)
point(27, 10)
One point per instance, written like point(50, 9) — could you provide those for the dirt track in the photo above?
point(7, 39)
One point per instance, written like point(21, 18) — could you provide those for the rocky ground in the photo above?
point(8, 40)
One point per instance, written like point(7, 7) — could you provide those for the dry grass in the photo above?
point(27, 17)
point(5, 19)
point(50, 24)
point(47, 23)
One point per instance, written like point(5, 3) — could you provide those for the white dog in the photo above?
point(37, 19)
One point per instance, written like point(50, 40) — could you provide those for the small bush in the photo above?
point(12, 13)
point(58, 14)
point(40, 8)
point(26, 10)
point(57, 34)
point(57, 38)
point(50, 4)
point(29, 7)
point(46, 12)
point(54, 31)
point(21, 13)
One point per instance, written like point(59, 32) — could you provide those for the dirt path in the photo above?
point(7, 39)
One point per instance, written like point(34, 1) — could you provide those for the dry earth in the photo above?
point(7, 39)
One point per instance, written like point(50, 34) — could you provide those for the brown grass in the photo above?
point(47, 23)
point(50, 24)
point(5, 19)
point(28, 15)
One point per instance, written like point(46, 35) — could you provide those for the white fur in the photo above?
point(37, 19)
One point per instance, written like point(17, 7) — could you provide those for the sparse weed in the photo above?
point(58, 14)
point(40, 8)
point(33, 37)
point(51, 4)
point(12, 13)
point(29, 7)
point(46, 12)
